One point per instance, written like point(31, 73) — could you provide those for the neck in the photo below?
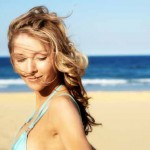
point(42, 95)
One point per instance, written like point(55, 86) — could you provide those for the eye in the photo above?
point(21, 60)
point(41, 58)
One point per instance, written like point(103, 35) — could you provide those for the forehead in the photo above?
point(24, 43)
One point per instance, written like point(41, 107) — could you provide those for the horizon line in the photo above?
point(97, 55)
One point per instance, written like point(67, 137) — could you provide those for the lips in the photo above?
point(33, 78)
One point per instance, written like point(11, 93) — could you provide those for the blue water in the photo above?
point(103, 73)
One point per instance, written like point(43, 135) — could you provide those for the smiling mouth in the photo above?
point(33, 78)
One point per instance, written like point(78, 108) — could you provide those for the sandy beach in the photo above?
point(125, 117)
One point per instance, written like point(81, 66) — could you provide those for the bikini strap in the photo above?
point(73, 100)
point(42, 110)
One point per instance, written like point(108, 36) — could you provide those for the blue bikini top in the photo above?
point(21, 143)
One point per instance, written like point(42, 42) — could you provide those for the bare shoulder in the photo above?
point(62, 110)
point(63, 106)
point(67, 123)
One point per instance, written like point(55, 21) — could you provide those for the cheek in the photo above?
point(19, 68)
point(45, 67)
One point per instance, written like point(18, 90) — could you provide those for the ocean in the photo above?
point(104, 73)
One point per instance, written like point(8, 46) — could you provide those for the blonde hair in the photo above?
point(69, 62)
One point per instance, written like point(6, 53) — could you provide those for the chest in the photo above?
point(42, 136)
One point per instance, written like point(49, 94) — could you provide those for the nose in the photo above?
point(31, 67)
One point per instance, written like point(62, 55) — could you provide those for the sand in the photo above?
point(125, 117)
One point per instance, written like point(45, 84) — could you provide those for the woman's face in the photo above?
point(32, 61)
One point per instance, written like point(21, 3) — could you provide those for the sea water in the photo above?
point(104, 73)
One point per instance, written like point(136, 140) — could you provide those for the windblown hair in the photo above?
point(69, 62)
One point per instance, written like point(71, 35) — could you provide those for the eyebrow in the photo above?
point(17, 54)
point(43, 53)
point(34, 53)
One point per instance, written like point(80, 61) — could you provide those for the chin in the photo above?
point(35, 86)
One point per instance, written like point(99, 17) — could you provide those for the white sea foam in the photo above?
point(5, 82)
point(147, 81)
point(99, 82)
point(104, 82)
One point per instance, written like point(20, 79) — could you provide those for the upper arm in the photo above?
point(68, 123)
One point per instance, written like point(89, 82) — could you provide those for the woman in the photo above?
point(45, 58)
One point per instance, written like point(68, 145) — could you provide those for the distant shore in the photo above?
point(125, 116)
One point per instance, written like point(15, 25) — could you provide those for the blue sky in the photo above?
point(97, 27)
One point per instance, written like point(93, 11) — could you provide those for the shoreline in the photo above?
point(88, 91)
